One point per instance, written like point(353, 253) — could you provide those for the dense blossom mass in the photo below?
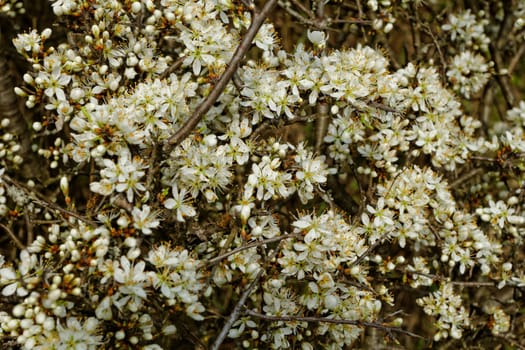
point(337, 174)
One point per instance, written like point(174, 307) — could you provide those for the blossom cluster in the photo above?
point(325, 181)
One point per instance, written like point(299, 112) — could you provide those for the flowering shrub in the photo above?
point(278, 174)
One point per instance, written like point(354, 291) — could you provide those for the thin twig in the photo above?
point(232, 67)
point(65, 213)
point(41, 200)
point(357, 323)
point(154, 168)
point(440, 52)
point(249, 4)
point(503, 80)
point(367, 252)
point(359, 9)
point(384, 107)
point(237, 82)
point(351, 21)
point(220, 257)
point(514, 61)
point(29, 225)
point(303, 8)
point(512, 342)
point(456, 283)
point(121, 202)
point(172, 68)
point(465, 177)
point(13, 237)
point(321, 125)
point(238, 307)
point(313, 23)
point(236, 312)
point(286, 6)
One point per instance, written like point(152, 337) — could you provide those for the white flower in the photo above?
point(103, 310)
point(144, 220)
point(501, 322)
point(468, 73)
point(382, 215)
point(132, 282)
point(317, 38)
point(176, 202)
point(244, 208)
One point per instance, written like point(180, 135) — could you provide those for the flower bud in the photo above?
point(46, 33)
point(64, 186)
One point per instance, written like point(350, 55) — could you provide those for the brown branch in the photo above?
point(155, 166)
point(517, 58)
point(236, 312)
point(121, 202)
point(303, 8)
point(367, 252)
point(238, 307)
point(456, 283)
point(15, 239)
point(41, 200)
point(351, 21)
point(321, 125)
point(172, 68)
point(357, 323)
point(495, 48)
point(512, 342)
point(29, 225)
point(503, 80)
point(440, 52)
point(232, 67)
point(384, 107)
point(465, 177)
point(218, 258)
point(287, 7)
point(312, 22)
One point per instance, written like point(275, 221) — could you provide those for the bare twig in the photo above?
point(486, 107)
point(121, 202)
point(238, 307)
point(41, 200)
point(512, 342)
point(359, 9)
point(517, 58)
point(172, 68)
point(357, 323)
point(303, 8)
point(155, 165)
point(232, 67)
point(367, 252)
point(465, 177)
point(440, 52)
point(29, 225)
point(220, 257)
point(456, 283)
point(352, 21)
point(384, 107)
point(237, 82)
point(496, 47)
point(13, 237)
point(503, 80)
point(311, 22)
point(236, 312)
point(321, 125)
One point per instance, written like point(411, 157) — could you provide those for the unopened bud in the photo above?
point(64, 186)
